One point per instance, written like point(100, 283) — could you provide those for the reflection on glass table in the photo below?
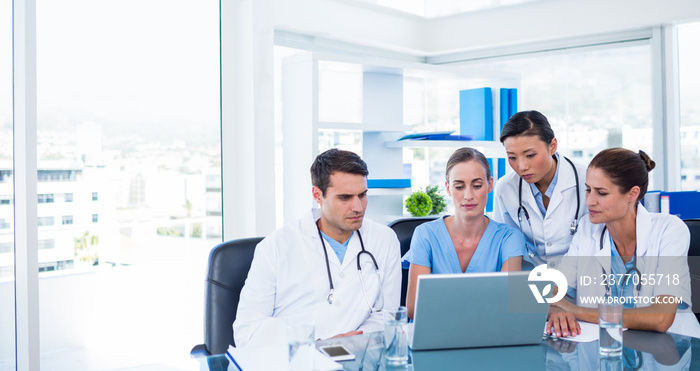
point(643, 350)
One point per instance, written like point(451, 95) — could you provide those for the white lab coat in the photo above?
point(288, 280)
point(658, 235)
point(552, 233)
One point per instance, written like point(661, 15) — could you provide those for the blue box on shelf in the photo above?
point(388, 183)
point(476, 113)
point(685, 204)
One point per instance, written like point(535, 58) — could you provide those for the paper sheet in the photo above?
point(276, 358)
point(589, 332)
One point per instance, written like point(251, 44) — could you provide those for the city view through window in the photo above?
point(129, 180)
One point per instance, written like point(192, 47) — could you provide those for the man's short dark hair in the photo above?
point(335, 160)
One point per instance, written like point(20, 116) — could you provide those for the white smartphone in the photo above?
point(337, 352)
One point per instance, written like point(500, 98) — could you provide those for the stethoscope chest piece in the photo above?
point(573, 227)
point(522, 210)
point(330, 297)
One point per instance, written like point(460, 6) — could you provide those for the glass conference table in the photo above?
point(643, 351)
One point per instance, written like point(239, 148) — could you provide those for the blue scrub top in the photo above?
point(339, 248)
point(550, 190)
point(626, 286)
point(431, 246)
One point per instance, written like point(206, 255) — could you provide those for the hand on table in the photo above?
point(351, 333)
point(562, 324)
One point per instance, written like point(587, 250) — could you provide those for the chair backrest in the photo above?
point(694, 263)
point(229, 263)
point(404, 231)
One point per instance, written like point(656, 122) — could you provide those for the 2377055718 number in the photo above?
point(651, 279)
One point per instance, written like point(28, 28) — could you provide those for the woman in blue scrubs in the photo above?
point(468, 241)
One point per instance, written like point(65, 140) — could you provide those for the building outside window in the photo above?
point(47, 244)
point(94, 218)
point(67, 219)
point(44, 221)
point(46, 198)
point(94, 196)
point(5, 175)
point(57, 175)
point(68, 197)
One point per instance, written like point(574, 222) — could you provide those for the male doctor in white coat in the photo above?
point(306, 273)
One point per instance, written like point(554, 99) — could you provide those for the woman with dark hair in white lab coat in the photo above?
point(544, 195)
point(629, 255)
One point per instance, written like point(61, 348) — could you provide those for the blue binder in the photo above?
point(509, 106)
point(685, 204)
point(476, 113)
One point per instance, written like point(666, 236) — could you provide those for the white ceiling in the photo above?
point(371, 25)
point(442, 8)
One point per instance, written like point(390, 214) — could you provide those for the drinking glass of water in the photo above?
point(610, 322)
point(396, 336)
point(302, 347)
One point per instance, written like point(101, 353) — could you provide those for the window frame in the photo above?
point(25, 185)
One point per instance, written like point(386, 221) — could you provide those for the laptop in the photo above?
point(476, 310)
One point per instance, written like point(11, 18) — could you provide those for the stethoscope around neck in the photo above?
point(630, 272)
point(329, 298)
point(522, 210)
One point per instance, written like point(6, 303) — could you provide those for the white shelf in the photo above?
point(388, 191)
point(362, 126)
point(488, 148)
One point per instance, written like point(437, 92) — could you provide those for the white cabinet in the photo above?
point(382, 123)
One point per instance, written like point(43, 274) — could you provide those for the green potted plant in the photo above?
point(438, 200)
point(419, 203)
point(425, 202)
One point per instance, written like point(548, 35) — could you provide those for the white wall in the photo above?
point(352, 21)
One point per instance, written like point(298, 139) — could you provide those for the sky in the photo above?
point(128, 62)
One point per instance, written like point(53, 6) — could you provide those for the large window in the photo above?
point(593, 99)
point(688, 61)
point(7, 240)
point(128, 141)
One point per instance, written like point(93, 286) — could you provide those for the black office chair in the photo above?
point(229, 263)
point(694, 263)
point(404, 231)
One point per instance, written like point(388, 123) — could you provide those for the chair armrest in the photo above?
point(199, 351)
point(208, 362)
